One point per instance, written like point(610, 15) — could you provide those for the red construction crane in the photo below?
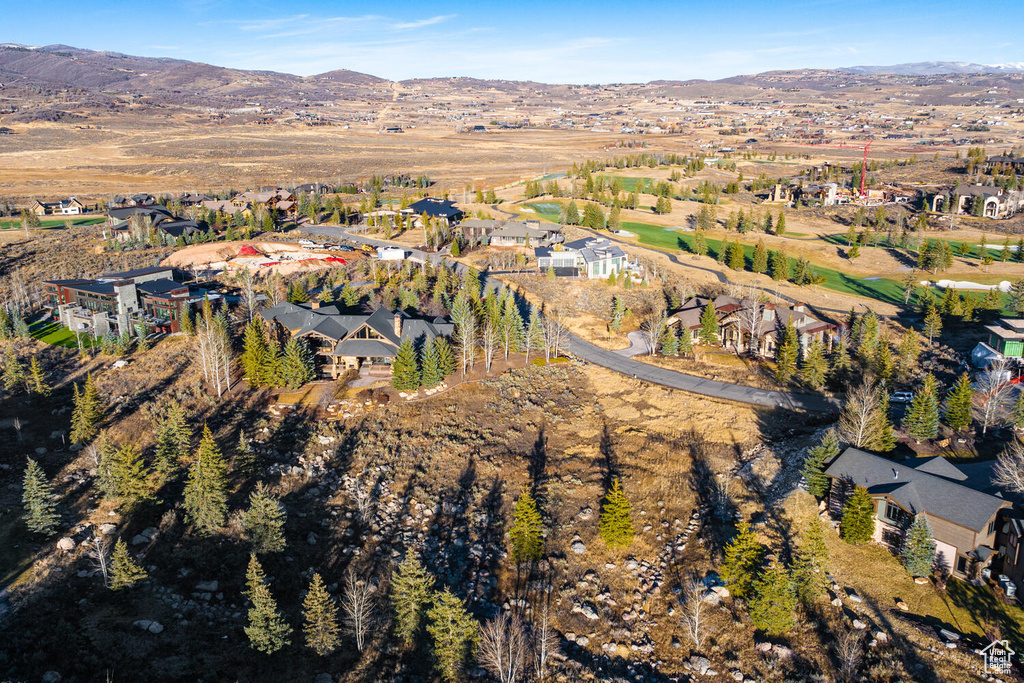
point(864, 163)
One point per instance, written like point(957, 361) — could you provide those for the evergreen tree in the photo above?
point(817, 460)
point(780, 225)
point(883, 362)
point(206, 497)
point(918, 552)
point(88, 412)
point(669, 342)
point(858, 522)
point(907, 352)
point(779, 265)
point(700, 243)
point(267, 630)
point(809, 564)
point(14, 374)
point(709, 325)
point(774, 601)
point(245, 455)
point(187, 323)
point(616, 518)
point(526, 534)
point(40, 502)
point(128, 471)
point(320, 617)
point(264, 521)
point(760, 263)
point(959, 403)
point(173, 439)
point(254, 576)
point(430, 362)
point(405, 374)
point(743, 557)
point(814, 367)
point(618, 312)
point(884, 439)
point(296, 366)
point(787, 354)
point(454, 633)
point(37, 379)
point(534, 332)
point(124, 571)
point(736, 259)
point(922, 419)
point(685, 342)
point(411, 586)
point(445, 356)
point(255, 353)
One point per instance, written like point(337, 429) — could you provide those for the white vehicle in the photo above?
point(307, 243)
point(902, 397)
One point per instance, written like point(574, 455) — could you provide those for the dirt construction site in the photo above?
point(284, 258)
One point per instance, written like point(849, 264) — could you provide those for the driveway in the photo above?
point(619, 360)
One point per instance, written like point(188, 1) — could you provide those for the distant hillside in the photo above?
point(936, 68)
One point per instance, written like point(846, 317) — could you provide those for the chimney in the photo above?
point(314, 304)
point(398, 324)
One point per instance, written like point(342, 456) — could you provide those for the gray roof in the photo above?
point(932, 485)
point(330, 323)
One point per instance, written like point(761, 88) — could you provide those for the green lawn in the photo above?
point(56, 334)
point(8, 223)
point(628, 183)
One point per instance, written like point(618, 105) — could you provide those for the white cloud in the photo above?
point(422, 22)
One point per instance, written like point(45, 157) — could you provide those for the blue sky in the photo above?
point(569, 41)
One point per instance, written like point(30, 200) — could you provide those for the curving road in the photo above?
point(618, 361)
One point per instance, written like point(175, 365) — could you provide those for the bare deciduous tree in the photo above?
point(248, 301)
point(489, 340)
point(556, 334)
point(503, 647)
point(544, 641)
point(359, 606)
point(858, 422)
point(1009, 469)
point(993, 395)
point(100, 555)
point(752, 322)
point(694, 617)
point(652, 329)
point(214, 350)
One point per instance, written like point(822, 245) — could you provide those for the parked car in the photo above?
point(902, 397)
point(307, 243)
point(345, 247)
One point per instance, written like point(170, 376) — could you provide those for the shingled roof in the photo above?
point(933, 485)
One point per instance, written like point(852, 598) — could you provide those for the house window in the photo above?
point(991, 527)
point(961, 564)
point(896, 515)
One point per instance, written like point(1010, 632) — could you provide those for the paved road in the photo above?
point(620, 363)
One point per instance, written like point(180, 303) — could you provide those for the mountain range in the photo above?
point(936, 68)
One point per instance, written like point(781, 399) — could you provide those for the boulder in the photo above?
point(139, 539)
point(588, 611)
point(700, 664)
point(721, 591)
point(712, 598)
point(207, 586)
point(578, 547)
point(311, 539)
point(107, 529)
point(859, 625)
point(582, 641)
point(156, 627)
point(782, 651)
point(51, 677)
point(763, 647)
point(66, 544)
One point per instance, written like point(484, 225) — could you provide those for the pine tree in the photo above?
point(743, 557)
point(1018, 412)
point(255, 353)
point(267, 630)
point(760, 263)
point(774, 601)
point(430, 363)
point(37, 379)
point(709, 325)
point(922, 419)
point(187, 323)
point(454, 633)
point(616, 518)
point(296, 367)
point(14, 374)
point(884, 438)
point(685, 342)
point(131, 476)
point(816, 461)
point(40, 502)
point(206, 497)
point(526, 535)
point(264, 521)
point(124, 571)
point(669, 342)
point(736, 259)
point(814, 368)
point(779, 265)
point(173, 439)
point(88, 412)
point(534, 333)
point(254, 576)
point(411, 586)
point(858, 522)
point(918, 552)
point(618, 312)
point(787, 354)
point(445, 356)
point(320, 617)
point(780, 225)
point(700, 243)
point(959, 403)
point(405, 375)
point(809, 564)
